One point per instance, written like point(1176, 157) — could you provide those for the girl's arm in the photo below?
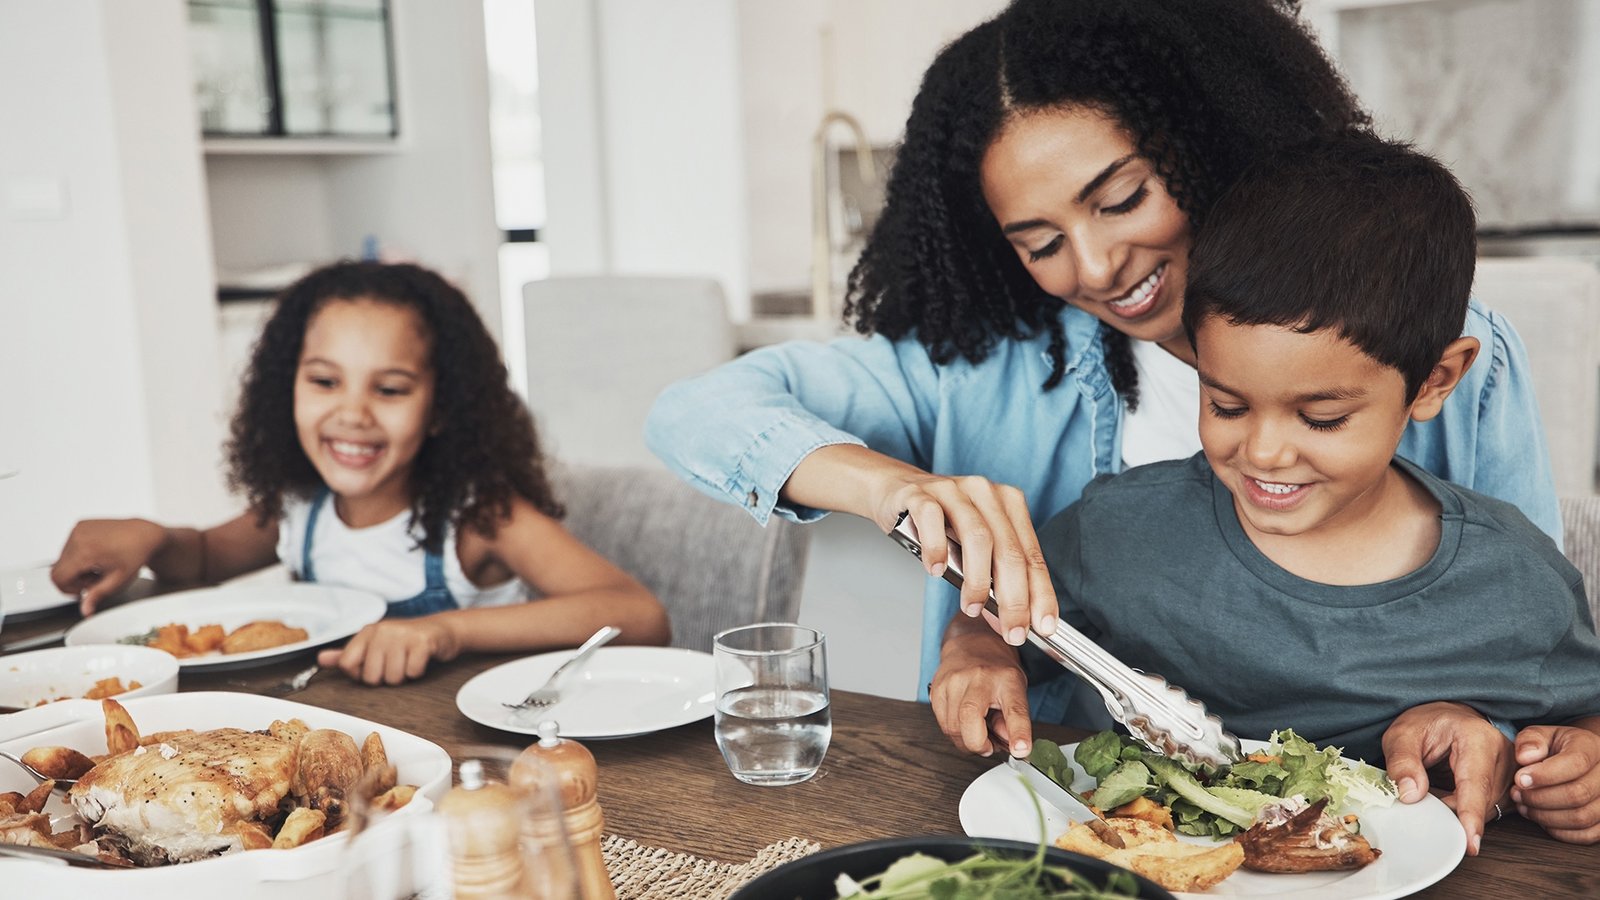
point(102, 556)
point(580, 592)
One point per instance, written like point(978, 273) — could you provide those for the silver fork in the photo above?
point(62, 784)
point(549, 692)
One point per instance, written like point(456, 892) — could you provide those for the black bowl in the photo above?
point(812, 878)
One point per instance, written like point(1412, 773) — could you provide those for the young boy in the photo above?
point(1296, 573)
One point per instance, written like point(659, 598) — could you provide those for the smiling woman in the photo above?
point(1021, 293)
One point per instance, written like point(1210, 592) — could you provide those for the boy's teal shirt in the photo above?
point(738, 431)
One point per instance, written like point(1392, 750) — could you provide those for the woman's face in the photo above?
point(1090, 219)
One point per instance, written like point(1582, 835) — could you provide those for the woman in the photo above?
point(1022, 292)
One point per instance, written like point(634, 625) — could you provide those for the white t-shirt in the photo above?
point(384, 558)
point(1167, 422)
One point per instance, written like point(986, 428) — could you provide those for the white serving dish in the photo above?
point(310, 872)
point(27, 678)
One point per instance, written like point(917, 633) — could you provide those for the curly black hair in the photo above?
point(1203, 87)
point(482, 450)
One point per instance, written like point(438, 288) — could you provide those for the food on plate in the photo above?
point(984, 874)
point(1153, 851)
point(181, 795)
point(254, 636)
point(1276, 801)
point(1295, 836)
point(178, 640)
point(105, 687)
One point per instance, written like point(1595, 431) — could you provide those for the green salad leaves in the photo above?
point(1227, 803)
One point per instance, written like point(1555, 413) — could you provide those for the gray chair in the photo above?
point(712, 565)
point(1580, 519)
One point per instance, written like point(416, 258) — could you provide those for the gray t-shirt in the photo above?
point(1154, 565)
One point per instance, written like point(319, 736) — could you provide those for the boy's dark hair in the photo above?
point(1362, 235)
point(483, 451)
point(1203, 87)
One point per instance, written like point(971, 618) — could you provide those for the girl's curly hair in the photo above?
point(1202, 86)
point(482, 450)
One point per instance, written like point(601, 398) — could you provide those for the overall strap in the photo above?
point(317, 502)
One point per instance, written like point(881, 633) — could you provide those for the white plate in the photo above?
point(624, 691)
point(310, 872)
point(1421, 842)
point(28, 592)
point(326, 613)
point(27, 678)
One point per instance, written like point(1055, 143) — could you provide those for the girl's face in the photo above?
point(363, 397)
point(1090, 219)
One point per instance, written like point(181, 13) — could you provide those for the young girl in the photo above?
point(380, 447)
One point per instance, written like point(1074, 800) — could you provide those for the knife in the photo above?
point(1065, 799)
point(1158, 713)
point(38, 640)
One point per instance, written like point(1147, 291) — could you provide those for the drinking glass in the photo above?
point(773, 718)
point(429, 855)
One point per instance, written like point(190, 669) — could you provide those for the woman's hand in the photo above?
point(102, 556)
point(1558, 786)
point(999, 548)
point(1480, 758)
point(394, 650)
point(980, 690)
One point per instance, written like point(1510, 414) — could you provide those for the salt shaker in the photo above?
point(576, 776)
point(482, 819)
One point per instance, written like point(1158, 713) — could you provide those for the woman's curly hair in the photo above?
point(481, 450)
point(1202, 86)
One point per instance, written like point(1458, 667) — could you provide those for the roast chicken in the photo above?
point(1294, 836)
point(190, 796)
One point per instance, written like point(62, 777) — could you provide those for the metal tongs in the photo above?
point(1158, 713)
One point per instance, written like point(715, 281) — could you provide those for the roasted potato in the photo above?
point(174, 639)
point(37, 798)
point(162, 737)
point(1146, 809)
point(291, 731)
point(205, 639)
point(394, 797)
point(330, 765)
point(64, 763)
point(1155, 853)
point(253, 835)
point(302, 826)
point(121, 734)
point(9, 801)
point(378, 775)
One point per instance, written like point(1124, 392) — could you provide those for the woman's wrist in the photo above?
point(847, 478)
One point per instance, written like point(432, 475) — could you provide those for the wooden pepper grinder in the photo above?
point(482, 820)
point(576, 776)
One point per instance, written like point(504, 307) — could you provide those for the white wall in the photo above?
point(643, 139)
point(799, 59)
point(108, 359)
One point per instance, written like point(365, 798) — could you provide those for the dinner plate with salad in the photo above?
point(1417, 844)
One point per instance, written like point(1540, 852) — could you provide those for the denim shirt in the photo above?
point(738, 431)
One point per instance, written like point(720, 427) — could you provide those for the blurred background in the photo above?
point(167, 165)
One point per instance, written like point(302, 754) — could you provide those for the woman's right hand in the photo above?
point(102, 556)
point(979, 694)
point(990, 521)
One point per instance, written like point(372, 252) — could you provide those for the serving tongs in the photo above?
point(1161, 715)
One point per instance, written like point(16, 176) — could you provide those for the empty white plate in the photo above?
point(624, 691)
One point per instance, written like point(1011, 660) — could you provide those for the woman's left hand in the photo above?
point(395, 650)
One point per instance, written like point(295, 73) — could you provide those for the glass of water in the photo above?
point(773, 718)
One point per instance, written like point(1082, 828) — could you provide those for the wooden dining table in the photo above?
point(889, 772)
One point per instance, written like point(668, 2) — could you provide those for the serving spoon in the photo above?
point(62, 784)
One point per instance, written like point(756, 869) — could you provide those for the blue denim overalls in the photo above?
point(435, 596)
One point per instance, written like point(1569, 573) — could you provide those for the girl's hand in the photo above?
point(1558, 786)
point(1479, 755)
point(998, 545)
point(102, 556)
point(980, 690)
point(394, 650)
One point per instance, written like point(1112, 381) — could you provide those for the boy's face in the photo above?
point(1300, 428)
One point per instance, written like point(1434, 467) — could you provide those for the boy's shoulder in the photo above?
point(1490, 524)
point(1166, 489)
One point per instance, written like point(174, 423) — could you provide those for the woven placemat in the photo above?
point(650, 873)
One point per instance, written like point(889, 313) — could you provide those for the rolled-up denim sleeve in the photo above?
point(738, 431)
point(1512, 462)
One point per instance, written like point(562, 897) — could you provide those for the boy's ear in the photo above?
point(1447, 373)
